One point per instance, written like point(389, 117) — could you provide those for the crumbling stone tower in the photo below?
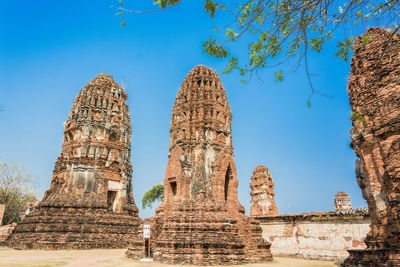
point(374, 91)
point(342, 201)
point(201, 220)
point(262, 193)
point(90, 202)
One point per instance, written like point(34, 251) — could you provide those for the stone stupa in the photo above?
point(201, 220)
point(90, 202)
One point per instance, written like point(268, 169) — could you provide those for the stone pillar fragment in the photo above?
point(374, 91)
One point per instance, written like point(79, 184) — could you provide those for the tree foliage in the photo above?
point(152, 195)
point(15, 191)
point(282, 31)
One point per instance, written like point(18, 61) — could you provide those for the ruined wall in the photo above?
point(320, 235)
point(90, 202)
point(374, 93)
point(5, 231)
point(201, 220)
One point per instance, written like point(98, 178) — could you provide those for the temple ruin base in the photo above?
point(205, 233)
point(74, 228)
point(373, 257)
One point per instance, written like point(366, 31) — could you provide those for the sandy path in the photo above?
point(110, 257)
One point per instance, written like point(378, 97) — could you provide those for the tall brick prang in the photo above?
point(201, 220)
point(374, 91)
point(90, 202)
point(262, 193)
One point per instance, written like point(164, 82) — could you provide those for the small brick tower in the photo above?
point(342, 202)
point(262, 193)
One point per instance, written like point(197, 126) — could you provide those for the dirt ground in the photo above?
point(110, 257)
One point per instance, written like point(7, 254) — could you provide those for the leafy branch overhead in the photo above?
point(286, 31)
point(152, 195)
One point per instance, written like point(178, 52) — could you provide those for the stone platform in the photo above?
point(74, 228)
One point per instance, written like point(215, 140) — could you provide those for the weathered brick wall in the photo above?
point(5, 231)
point(322, 235)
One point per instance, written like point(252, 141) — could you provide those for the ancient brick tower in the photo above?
point(262, 193)
point(90, 202)
point(201, 220)
point(374, 91)
point(342, 201)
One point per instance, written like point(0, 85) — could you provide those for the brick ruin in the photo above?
point(342, 201)
point(316, 235)
point(262, 193)
point(90, 202)
point(374, 91)
point(201, 220)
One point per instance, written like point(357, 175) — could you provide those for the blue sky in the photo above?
point(50, 50)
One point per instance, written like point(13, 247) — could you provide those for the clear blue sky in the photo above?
point(50, 49)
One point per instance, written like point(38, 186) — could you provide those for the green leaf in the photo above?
point(278, 76)
point(355, 117)
point(344, 48)
point(215, 50)
point(316, 44)
point(366, 39)
point(308, 104)
point(210, 6)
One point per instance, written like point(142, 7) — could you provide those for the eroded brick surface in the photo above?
point(90, 202)
point(201, 220)
point(262, 193)
point(374, 91)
